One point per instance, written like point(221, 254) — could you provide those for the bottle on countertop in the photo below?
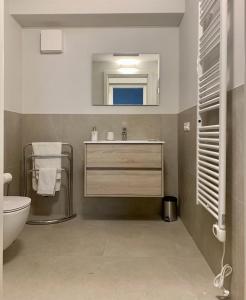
point(94, 134)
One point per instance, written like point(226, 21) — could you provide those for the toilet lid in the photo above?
point(14, 203)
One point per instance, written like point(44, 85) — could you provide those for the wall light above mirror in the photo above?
point(125, 79)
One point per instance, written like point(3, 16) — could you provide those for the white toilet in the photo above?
point(15, 214)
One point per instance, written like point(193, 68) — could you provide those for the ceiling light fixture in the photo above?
point(128, 62)
point(128, 70)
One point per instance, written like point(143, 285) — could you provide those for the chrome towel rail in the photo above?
point(67, 154)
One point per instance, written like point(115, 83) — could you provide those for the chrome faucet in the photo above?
point(124, 134)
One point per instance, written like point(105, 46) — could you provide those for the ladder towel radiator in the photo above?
point(211, 134)
point(212, 117)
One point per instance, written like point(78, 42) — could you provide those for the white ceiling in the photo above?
point(95, 13)
point(100, 20)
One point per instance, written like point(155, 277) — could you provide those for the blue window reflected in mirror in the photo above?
point(128, 96)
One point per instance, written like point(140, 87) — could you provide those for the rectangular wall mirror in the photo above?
point(125, 79)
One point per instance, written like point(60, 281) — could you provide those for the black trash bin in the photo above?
point(169, 208)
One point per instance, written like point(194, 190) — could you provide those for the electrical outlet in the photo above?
point(187, 126)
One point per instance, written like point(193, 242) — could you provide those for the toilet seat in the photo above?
point(15, 203)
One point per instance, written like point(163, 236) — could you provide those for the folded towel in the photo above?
point(47, 181)
point(47, 149)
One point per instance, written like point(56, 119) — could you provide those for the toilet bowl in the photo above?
point(15, 214)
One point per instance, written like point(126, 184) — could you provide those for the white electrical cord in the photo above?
point(226, 271)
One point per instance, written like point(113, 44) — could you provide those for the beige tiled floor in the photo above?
point(106, 260)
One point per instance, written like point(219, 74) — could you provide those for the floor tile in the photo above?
point(106, 260)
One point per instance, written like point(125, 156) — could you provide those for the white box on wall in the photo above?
point(51, 41)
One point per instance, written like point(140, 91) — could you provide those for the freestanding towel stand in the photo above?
point(67, 153)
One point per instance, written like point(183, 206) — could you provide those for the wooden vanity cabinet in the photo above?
point(123, 169)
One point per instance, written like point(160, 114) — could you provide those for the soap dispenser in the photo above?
point(94, 134)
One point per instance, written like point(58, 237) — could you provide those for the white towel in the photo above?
point(47, 181)
point(46, 164)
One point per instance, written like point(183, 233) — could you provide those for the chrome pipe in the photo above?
point(66, 154)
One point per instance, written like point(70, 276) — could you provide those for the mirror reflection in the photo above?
point(125, 79)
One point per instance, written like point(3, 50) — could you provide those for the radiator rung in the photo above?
point(208, 146)
point(213, 194)
point(206, 10)
point(209, 140)
point(210, 71)
point(209, 127)
point(208, 184)
point(207, 83)
point(208, 171)
point(210, 46)
point(205, 205)
point(212, 76)
point(209, 103)
point(212, 153)
point(208, 202)
point(214, 88)
point(207, 158)
point(209, 133)
point(215, 22)
point(204, 4)
point(209, 199)
point(204, 44)
point(211, 96)
point(212, 107)
point(215, 181)
point(208, 89)
point(209, 77)
point(206, 164)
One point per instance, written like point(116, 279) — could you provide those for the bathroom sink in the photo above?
point(125, 142)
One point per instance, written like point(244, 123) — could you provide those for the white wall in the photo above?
point(188, 55)
point(236, 43)
point(62, 83)
point(95, 6)
point(13, 62)
point(188, 50)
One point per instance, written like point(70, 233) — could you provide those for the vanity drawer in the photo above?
point(124, 156)
point(132, 183)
